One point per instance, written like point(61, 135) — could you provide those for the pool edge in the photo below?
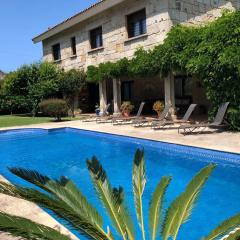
point(121, 135)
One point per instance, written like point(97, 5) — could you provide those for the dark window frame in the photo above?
point(73, 46)
point(137, 23)
point(96, 37)
point(184, 80)
point(56, 52)
point(129, 86)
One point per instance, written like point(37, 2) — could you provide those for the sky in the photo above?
point(21, 20)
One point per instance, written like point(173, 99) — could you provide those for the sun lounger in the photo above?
point(95, 118)
point(185, 119)
point(129, 120)
point(217, 123)
point(151, 122)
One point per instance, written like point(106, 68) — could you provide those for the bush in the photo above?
point(23, 89)
point(233, 117)
point(56, 108)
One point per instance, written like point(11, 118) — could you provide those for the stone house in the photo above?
point(113, 29)
point(2, 74)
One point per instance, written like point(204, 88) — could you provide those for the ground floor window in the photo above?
point(127, 91)
point(183, 86)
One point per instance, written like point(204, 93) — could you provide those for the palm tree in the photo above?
point(67, 202)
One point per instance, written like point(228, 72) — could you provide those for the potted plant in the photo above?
point(158, 107)
point(126, 108)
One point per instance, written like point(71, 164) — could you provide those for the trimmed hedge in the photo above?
point(56, 108)
point(233, 118)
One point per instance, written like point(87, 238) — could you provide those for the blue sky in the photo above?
point(21, 20)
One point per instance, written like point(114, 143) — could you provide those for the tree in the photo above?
point(71, 83)
point(66, 201)
point(29, 85)
point(45, 84)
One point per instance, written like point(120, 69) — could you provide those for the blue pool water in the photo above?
point(64, 151)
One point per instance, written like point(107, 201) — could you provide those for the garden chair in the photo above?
point(95, 118)
point(129, 120)
point(150, 122)
point(217, 123)
point(185, 119)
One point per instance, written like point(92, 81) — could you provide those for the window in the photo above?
point(56, 51)
point(178, 5)
point(127, 91)
point(183, 86)
point(73, 46)
point(96, 39)
point(136, 23)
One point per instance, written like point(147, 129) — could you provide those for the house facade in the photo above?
point(113, 29)
point(2, 75)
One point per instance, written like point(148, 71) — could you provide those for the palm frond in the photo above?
point(73, 218)
point(21, 227)
point(70, 195)
point(181, 208)
point(156, 206)
point(234, 235)
point(112, 199)
point(224, 228)
point(65, 190)
point(31, 176)
point(139, 182)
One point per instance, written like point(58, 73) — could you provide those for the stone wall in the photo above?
point(161, 16)
point(2, 74)
point(199, 11)
point(115, 40)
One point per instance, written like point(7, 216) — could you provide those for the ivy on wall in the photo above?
point(211, 52)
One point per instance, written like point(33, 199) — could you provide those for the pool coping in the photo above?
point(23, 208)
point(120, 135)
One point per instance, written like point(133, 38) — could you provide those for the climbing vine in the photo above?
point(211, 52)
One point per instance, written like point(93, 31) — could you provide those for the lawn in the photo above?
point(20, 120)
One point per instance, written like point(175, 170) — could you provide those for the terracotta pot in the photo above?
point(126, 113)
point(158, 113)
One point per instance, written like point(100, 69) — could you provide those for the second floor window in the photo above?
point(73, 46)
point(136, 23)
point(96, 39)
point(56, 51)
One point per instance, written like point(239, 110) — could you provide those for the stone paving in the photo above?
point(223, 141)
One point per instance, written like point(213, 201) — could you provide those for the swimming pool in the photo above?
point(64, 151)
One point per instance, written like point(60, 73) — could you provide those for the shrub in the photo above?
point(56, 108)
point(26, 87)
point(233, 117)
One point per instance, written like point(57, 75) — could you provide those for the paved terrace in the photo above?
point(223, 141)
point(210, 139)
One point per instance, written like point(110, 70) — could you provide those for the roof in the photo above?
point(85, 14)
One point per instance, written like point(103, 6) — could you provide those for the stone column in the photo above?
point(169, 87)
point(116, 96)
point(103, 96)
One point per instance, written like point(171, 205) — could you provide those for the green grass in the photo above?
point(21, 120)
